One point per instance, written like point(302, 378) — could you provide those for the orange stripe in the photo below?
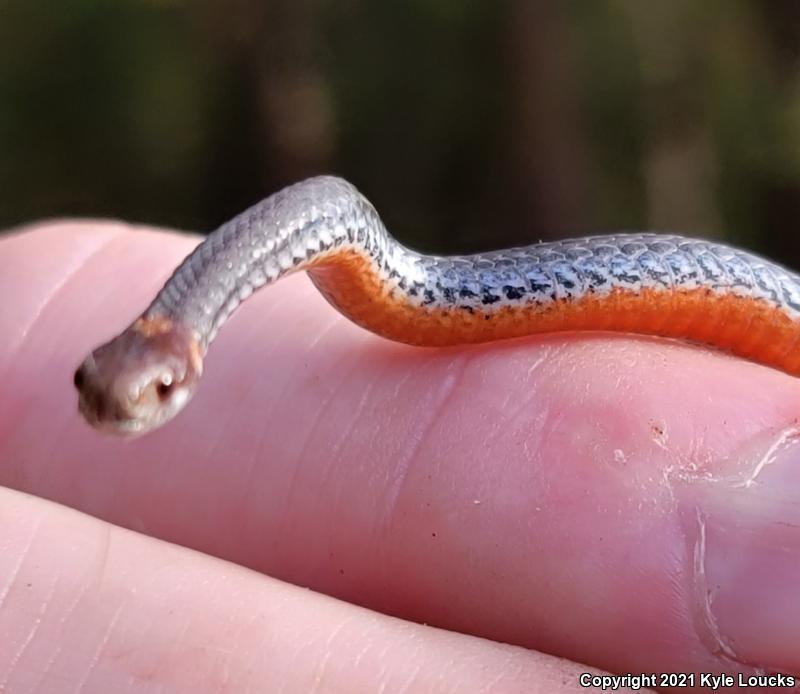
point(157, 326)
point(746, 326)
point(150, 327)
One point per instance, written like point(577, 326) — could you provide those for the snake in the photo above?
point(643, 283)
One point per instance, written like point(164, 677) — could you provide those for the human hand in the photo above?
point(625, 502)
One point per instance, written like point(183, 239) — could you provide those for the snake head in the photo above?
point(140, 379)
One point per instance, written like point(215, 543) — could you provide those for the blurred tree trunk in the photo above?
point(679, 160)
point(278, 98)
point(541, 189)
point(781, 206)
point(292, 92)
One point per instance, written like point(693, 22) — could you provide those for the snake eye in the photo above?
point(79, 379)
point(164, 386)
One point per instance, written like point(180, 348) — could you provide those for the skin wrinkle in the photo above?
point(237, 628)
point(415, 440)
point(101, 645)
point(217, 449)
point(414, 672)
point(257, 386)
point(181, 644)
point(345, 433)
point(322, 409)
point(231, 414)
point(400, 383)
point(126, 651)
point(704, 594)
point(320, 668)
point(410, 681)
point(383, 673)
point(403, 627)
point(4, 593)
point(253, 465)
point(521, 407)
point(543, 359)
point(299, 651)
point(784, 438)
point(244, 626)
point(69, 611)
point(55, 291)
point(103, 556)
point(31, 635)
point(253, 385)
point(117, 231)
point(12, 579)
point(41, 312)
point(508, 671)
point(371, 653)
point(366, 650)
point(225, 678)
point(344, 436)
point(45, 671)
point(231, 630)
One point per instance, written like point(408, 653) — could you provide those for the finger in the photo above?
point(88, 606)
point(544, 492)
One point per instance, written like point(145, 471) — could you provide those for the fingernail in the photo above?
point(744, 530)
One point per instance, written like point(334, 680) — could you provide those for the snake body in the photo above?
point(635, 282)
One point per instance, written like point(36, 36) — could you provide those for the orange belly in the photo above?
point(747, 326)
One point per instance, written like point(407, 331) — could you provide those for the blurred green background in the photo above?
point(470, 125)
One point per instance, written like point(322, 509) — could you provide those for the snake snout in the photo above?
point(138, 380)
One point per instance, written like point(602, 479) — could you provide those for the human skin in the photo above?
point(625, 502)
